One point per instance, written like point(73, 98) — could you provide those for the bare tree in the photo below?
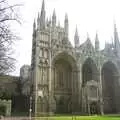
point(8, 15)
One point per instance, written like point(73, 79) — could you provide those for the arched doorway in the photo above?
point(110, 87)
point(89, 71)
point(65, 81)
point(89, 75)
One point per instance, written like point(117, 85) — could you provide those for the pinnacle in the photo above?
point(96, 38)
point(54, 13)
point(43, 5)
point(66, 16)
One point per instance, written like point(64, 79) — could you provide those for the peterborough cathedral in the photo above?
point(69, 79)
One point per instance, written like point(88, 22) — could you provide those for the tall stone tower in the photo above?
point(67, 79)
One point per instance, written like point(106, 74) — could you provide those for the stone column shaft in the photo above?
point(100, 90)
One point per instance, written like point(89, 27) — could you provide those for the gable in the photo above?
point(87, 47)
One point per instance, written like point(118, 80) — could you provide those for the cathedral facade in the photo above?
point(66, 79)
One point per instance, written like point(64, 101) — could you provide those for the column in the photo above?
point(72, 91)
point(50, 94)
point(100, 92)
point(81, 89)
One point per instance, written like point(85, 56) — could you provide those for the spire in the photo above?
point(43, 5)
point(54, 13)
point(54, 18)
point(88, 35)
point(76, 32)
point(66, 25)
point(112, 42)
point(42, 16)
point(66, 17)
point(96, 42)
point(34, 25)
point(116, 38)
point(88, 39)
point(76, 38)
point(38, 21)
point(34, 28)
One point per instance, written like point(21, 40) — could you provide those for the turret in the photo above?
point(54, 19)
point(97, 43)
point(66, 25)
point(76, 39)
point(42, 17)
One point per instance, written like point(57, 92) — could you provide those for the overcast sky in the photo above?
point(89, 16)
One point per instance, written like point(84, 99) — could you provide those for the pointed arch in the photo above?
point(65, 78)
point(110, 87)
point(67, 57)
point(89, 71)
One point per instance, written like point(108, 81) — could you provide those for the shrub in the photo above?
point(2, 110)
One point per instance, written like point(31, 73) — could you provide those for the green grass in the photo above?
point(80, 118)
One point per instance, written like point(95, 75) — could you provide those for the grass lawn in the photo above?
point(81, 118)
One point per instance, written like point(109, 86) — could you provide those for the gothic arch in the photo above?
point(89, 71)
point(65, 78)
point(112, 62)
point(85, 58)
point(66, 56)
point(110, 87)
